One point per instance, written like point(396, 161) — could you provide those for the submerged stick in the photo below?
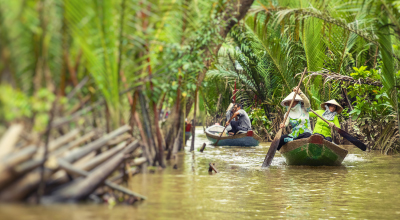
point(212, 167)
point(203, 147)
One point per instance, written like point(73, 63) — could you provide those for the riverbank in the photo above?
point(365, 187)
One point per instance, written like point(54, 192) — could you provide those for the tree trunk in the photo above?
point(194, 118)
point(147, 124)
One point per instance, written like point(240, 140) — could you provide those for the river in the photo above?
point(366, 186)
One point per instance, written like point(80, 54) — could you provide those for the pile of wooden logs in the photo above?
point(72, 167)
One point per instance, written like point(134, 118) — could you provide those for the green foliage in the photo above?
point(15, 105)
point(259, 118)
point(371, 101)
point(362, 73)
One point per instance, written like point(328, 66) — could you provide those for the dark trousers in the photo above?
point(236, 127)
point(326, 138)
point(282, 140)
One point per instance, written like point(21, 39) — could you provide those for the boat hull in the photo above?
point(313, 151)
point(243, 140)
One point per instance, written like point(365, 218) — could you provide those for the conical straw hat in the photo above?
point(339, 108)
point(230, 107)
point(289, 98)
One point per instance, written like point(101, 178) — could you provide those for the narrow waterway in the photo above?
point(365, 187)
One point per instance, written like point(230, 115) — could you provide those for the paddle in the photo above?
point(274, 145)
point(216, 143)
point(344, 134)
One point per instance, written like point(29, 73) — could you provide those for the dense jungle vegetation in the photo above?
point(104, 63)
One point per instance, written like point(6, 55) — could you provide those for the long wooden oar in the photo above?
point(344, 134)
point(274, 145)
point(216, 143)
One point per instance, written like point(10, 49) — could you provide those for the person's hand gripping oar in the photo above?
point(344, 134)
point(274, 145)
point(216, 143)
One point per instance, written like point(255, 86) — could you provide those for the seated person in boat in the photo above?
point(298, 118)
point(242, 122)
point(332, 108)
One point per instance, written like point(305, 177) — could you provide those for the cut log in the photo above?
point(139, 161)
point(73, 144)
point(95, 145)
point(101, 157)
point(75, 171)
point(7, 165)
point(21, 188)
point(26, 185)
point(81, 188)
point(9, 139)
point(18, 157)
point(118, 139)
point(132, 147)
point(12, 173)
point(53, 145)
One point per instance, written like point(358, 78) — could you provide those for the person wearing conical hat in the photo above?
point(298, 118)
point(332, 108)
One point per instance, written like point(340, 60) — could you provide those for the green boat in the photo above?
point(313, 151)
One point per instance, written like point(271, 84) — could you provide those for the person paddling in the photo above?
point(332, 108)
point(298, 118)
point(243, 121)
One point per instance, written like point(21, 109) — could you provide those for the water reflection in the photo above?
point(366, 187)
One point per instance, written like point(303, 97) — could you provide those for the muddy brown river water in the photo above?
point(366, 186)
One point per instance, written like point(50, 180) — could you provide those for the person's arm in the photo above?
point(286, 122)
point(233, 116)
point(307, 105)
point(305, 100)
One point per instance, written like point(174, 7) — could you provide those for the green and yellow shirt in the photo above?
point(322, 127)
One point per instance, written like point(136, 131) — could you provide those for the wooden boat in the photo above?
point(242, 139)
point(313, 151)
